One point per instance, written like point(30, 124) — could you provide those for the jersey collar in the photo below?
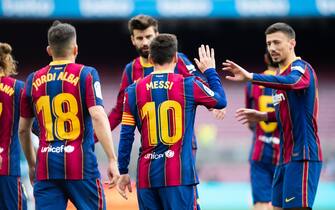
point(161, 72)
point(145, 64)
point(286, 67)
point(60, 62)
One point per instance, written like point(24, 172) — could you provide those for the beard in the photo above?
point(143, 53)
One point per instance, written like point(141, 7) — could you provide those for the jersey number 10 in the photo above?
point(169, 113)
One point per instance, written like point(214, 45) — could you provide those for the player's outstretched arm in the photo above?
point(104, 134)
point(25, 125)
point(240, 74)
point(250, 116)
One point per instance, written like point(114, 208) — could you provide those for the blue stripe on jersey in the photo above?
point(15, 148)
point(89, 157)
point(189, 118)
point(157, 166)
point(55, 160)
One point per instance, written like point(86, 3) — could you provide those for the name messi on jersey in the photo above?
point(71, 78)
point(159, 85)
point(6, 89)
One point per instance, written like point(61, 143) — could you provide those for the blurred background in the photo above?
point(235, 28)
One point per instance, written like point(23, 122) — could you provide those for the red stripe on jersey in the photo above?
point(315, 116)
point(173, 164)
point(142, 96)
point(305, 184)
point(137, 70)
point(285, 119)
point(19, 194)
point(100, 199)
point(42, 157)
point(74, 171)
point(7, 123)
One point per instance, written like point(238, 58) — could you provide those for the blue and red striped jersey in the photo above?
point(163, 106)
point(10, 92)
point(138, 69)
point(59, 96)
point(265, 144)
point(296, 103)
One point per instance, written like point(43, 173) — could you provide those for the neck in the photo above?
point(71, 58)
point(288, 60)
point(145, 60)
point(168, 67)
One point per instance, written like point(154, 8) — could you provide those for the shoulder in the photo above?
point(129, 66)
point(19, 83)
point(299, 65)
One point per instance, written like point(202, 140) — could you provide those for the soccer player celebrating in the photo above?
point(162, 106)
point(143, 29)
point(66, 99)
point(264, 153)
point(11, 190)
point(296, 104)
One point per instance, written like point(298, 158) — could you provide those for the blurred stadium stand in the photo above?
point(235, 32)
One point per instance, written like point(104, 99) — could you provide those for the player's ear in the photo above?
point(75, 50)
point(292, 44)
point(49, 50)
point(132, 38)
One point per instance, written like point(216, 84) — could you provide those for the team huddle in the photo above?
point(160, 90)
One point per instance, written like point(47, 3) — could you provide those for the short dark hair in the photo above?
point(60, 35)
point(281, 27)
point(163, 48)
point(142, 22)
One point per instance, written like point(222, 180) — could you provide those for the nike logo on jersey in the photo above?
point(289, 199)
point(277, 98)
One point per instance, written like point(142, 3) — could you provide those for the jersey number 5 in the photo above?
point(64, 110)
point(169, 113)
point(264, 102)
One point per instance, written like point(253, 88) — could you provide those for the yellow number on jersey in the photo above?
point(149, 111)
point(0, 109)
point(264, 102)
point(62, 117)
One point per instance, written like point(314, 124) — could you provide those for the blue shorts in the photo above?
point(13, 195)
point(261, 177)
point(295, 184)
point(84, 194)
point(172, 198)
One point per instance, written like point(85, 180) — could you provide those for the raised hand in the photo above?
point(123, 183)
point(240, 74)
point(206, 58)
point(250, 116)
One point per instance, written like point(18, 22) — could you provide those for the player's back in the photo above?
point(61, 94)
point(164, 106)
point(10, 91)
